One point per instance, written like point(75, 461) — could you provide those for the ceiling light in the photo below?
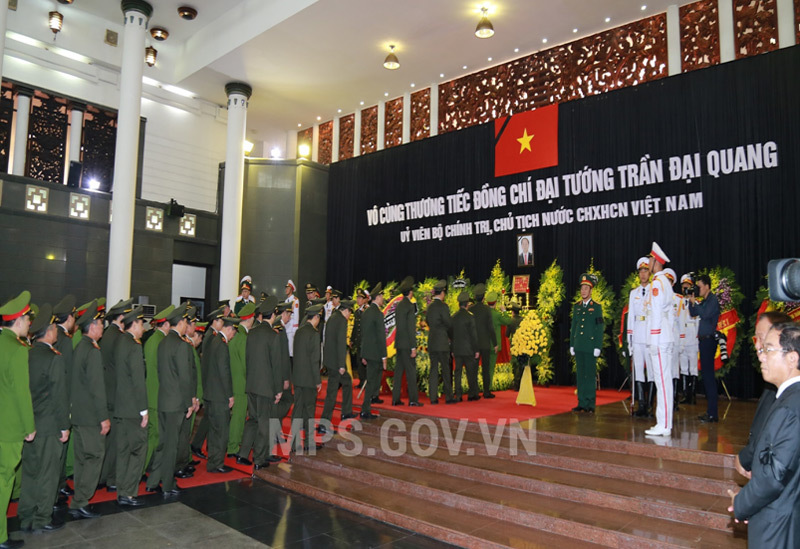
point(159, 33)
point(187, 12)
point(413, 85)
point(362, 103)
point(464, 67)
point(303, 150)
point(94, 184)
point(608, 20)
point(391, 62)
point(441, 75)
point(179, 91)
point(65, 1)
point(644, 8)
point(386, 94)
point(56, 20)
point(150, 82)
point(516, 50)
point(488, 58)
point(340, 110)
point(484, 28)
point(299, 124)
point(319, 118)
point(544, 40)
point(150, 54)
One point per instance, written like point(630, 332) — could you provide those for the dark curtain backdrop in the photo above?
point(747, 218)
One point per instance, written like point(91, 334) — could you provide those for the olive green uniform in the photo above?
point(263, 383)
point(440, 330)
point(202, 421)
point(499, 320)
point(108, 475)
point(16, 411)
point(335, 358)
point(405, 341)
point(130, 402)
point(487, 341)
point(355, 345)
point(151, 364)
point(586, 335)
point(217, 390)
point(237, 349)
point(305, 378)
point(89, 409)
point(465, 345)
point(373, 350)
point(65, 345)
point(281, 409)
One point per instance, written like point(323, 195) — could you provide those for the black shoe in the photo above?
point(12, 544)
point(243, 460)
point(194, 462)
point(183, 474)
point(199, 453)
point(26, 529)
point(274, 459)
point(705, 418)
point(452, 400)
point(321, 429)
point(376, 400)
point(156, 490)
point(418, 404)
point(129, 501)
point(367, 415)
point(190, 468)
point(222, 469)
point(83, 512)
point(345, 417)
point(578, 409)
point(318, 447)
point(51, 526)
point(111, 488)
point(259, 466)
point(473, 398)
point(231, 455)
point(434, 402)
point(144, 478)
point(175, 492)
point(398, 403)
point(67, 491)
point(488, 395)
point(589, 410)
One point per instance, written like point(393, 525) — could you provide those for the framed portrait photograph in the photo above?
point(525, 250)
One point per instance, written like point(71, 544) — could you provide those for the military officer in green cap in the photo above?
point(281, 409)
point(335, 359)
point(487, 338)
point(362, 300)
point(160, 327)
point(90, 418)
point(465, 349)
point(237, 348)
point(175, 402)
point(373, 349)
point(64, 312)
point(263, 385)
point(212, 328)
point(16, 407)
point(112, 333)
point(41, 458)
point(130, 405)
point(405, 342)
point(193, 338)
point(499, 319)
point(440, 332)
point(218, 394)
point(76, 334)
point(306, 379)
point(585, 342)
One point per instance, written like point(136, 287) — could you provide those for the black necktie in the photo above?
point(642, 291)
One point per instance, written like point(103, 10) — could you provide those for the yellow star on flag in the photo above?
point(525, 141)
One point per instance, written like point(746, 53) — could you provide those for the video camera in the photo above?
point(784, 279)
point(693, 289)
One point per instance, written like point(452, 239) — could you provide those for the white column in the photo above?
point(786, 23)
point(231, 238)
point(75, 132)
point(120, 241)
point(315, 143)
point(357, 133)
point(3, 26)
point(291, 145)
point(727, 44)
point(21, 130)
point(673, 40)
point(381, 125)
point(434, 109)
point(407, 117)
point(335, 144)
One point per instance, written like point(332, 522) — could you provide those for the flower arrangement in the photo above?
point(762, 304)
point(604, 295)
point(730, 296)
point(531, 338)
point(498, 281)
point(549, 297)
point(452, 290)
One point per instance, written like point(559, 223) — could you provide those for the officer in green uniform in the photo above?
point(306, 379)
point(585, 342)
point(194, 338)
point(465, 348)
point(64, 311)
point(90, 419)
point(218, 394)
point(281, 409)
point(160, 330)
point(335, 359)
point(237, 349)
point(487, 338)
point(263, 385)
point(362, 300)
point(184, 463)
point(516, 364)
point(41, 458)
point(130, 405)
point(373, 349)
point(16, 407)
point(499, 319)
point(112, 333)
point(175, 404)
point(440, 332)
point(405, 342)
point(213, 326)
point(76, 334)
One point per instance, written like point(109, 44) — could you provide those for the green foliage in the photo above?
point(452, 293)
point(363, 285)
point(551, 291)
point(498, 281)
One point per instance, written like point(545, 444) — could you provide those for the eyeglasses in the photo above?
point(771, 350)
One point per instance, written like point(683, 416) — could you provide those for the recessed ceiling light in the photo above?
point(340, 110)
point(464, 67)
point(516, 50)
point(362, 102)
point(488, 58)
point(544, 40)
point(608, 20)
point(187, 12)
point(441, 75)
point(413, 85)
point(299, 124)
point(159, 33)
point(644, 8)
point(386, 94)
point(319, 118)
point(574, 30)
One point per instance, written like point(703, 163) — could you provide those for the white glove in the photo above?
point(596, 352)
point(630, 343)
point(572, 351)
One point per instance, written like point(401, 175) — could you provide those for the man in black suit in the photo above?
point(769, 500)
point(525, 257)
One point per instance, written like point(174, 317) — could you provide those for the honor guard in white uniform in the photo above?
point(687, 343)
point(637, 341)
point(675, 369)
point(294, 323)
point(659, 311)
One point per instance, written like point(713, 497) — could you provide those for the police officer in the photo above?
point(362, 300)
point(440, 331)
point(585, 343)
point(645, 391)
point(161, 328)
point(237, 350)
point(487, 337)
point(373, 349)
point(306, 379)
point(465, 349)
point(335, 359)
point(405, 343)
point(687, 343)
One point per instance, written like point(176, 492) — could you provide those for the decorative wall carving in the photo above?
point(421, 114)
point(6, 115)
point(699, 35)
point(347, 125)
point(99, 139)
point(47, 138)
point(369, 130)
point(755, 27)
point(393, 134)
point(325, 153)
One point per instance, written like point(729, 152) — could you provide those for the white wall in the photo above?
point(187, 281)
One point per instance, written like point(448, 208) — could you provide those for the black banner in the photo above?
point(703, 163)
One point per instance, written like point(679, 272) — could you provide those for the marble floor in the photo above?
point(242, 514)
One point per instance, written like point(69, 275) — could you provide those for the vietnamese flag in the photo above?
point(526, 141)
